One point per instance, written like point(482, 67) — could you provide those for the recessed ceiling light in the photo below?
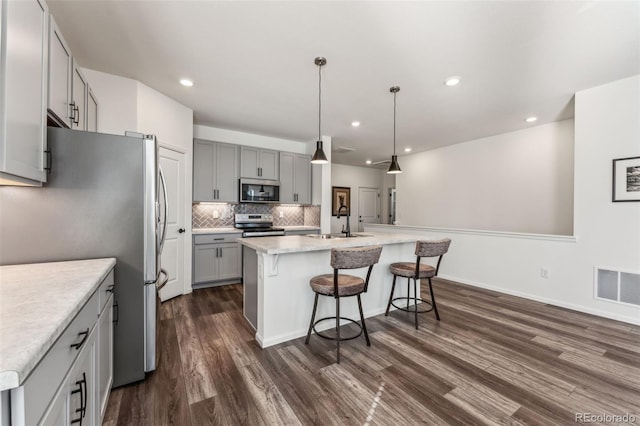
point(407, 149)
point(186, 82)
point(531, 119)
point(355, 123)
point(368, 161)
point(452, 81)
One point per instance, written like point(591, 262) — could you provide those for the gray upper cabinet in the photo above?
point(295, 178)
point(92, 111)
point(79, 99)
point(60, 70)
point(215, 171)
point(23, 89)
point(259, 163)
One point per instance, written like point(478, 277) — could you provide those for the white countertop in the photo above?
point(303, 243)
point(37, 302)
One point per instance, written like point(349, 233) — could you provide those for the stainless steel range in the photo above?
point(257, 225)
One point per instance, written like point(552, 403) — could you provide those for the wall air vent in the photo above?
point(617, 286)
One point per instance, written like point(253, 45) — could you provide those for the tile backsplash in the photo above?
point(203, 214)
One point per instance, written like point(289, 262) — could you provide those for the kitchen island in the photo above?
point(276, 273)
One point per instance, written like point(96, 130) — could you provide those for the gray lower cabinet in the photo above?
point(217, 258)
point(295, 178)
point(215, 171)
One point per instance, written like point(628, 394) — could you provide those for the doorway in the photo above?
point(172, 259)
point(368, 206)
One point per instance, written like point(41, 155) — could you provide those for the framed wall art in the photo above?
point(340, 196)
point(626, 179)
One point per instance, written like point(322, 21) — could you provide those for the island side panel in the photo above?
point(250, 285)
point(285, 299)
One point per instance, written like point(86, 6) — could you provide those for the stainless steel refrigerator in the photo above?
point(105, 197)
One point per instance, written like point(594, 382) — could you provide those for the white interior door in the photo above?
point(172, 258)
point(368, 206)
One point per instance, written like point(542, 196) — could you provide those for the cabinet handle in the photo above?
point(219, 239)
point(110, 288)
point(76, 118)
point(82, 388)
point(72, 117)
point(49, 161)
point(181, 231)
point(116, 313)
point(84, 335)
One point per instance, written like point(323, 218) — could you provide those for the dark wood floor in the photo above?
point(492, 359)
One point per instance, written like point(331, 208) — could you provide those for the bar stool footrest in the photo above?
point(406, 309)
point(324, 336)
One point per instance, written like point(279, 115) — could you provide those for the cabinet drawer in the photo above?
point(39, 388)
point(215, 238)
point(105, 291)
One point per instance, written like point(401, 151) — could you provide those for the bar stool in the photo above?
point(339, 285)
point(417, 270)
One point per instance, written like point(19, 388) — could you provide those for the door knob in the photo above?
point(181, 230)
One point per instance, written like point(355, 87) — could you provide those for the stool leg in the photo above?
point(433, 301)
point(338, 330)
point(393, 287)
point(408, 291)
point(364, 326)
point(313, 317)
point(415, 293)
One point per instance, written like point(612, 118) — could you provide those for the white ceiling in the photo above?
point(253, 63)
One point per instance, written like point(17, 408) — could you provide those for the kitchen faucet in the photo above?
point(348, 230)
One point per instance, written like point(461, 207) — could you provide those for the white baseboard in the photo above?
point(554, 302)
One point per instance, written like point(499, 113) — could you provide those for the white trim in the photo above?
point(522, 235)
point(174, 148)
point(573, 307)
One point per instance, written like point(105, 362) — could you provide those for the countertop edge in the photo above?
point(14, 377)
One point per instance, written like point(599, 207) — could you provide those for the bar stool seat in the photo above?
point(339, 285)
point(348, 285)
point(408, 270)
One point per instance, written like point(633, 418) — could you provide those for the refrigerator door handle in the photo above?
point(166, 278)
point(166, 209)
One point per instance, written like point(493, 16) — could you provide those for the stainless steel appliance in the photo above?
point(105, 197)
point(257, 225)
point(259, 191)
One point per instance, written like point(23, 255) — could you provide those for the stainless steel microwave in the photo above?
point(259, 191)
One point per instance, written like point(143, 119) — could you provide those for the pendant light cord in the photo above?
point(394, 122)
point(319, 100)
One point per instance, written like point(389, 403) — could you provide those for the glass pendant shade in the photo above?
point(394, 167)
point(318, 156)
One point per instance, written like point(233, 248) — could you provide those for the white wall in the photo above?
point(520, 182)
point(117, 101)
point(606, 234)
point(356, 177)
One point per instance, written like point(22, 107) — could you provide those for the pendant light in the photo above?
point(318, 156)
point(394, 167)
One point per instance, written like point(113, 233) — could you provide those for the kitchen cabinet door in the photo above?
point(104, 369)
point(287, 177)
point(295, 178)
point(92, 111)
point(205, 260)
point(79, 102)
point(226, 172)
point(23, 91)
point(215, 171)
point(60, 71)
point(57, 413)
point(259, 163)
point(230, 261)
